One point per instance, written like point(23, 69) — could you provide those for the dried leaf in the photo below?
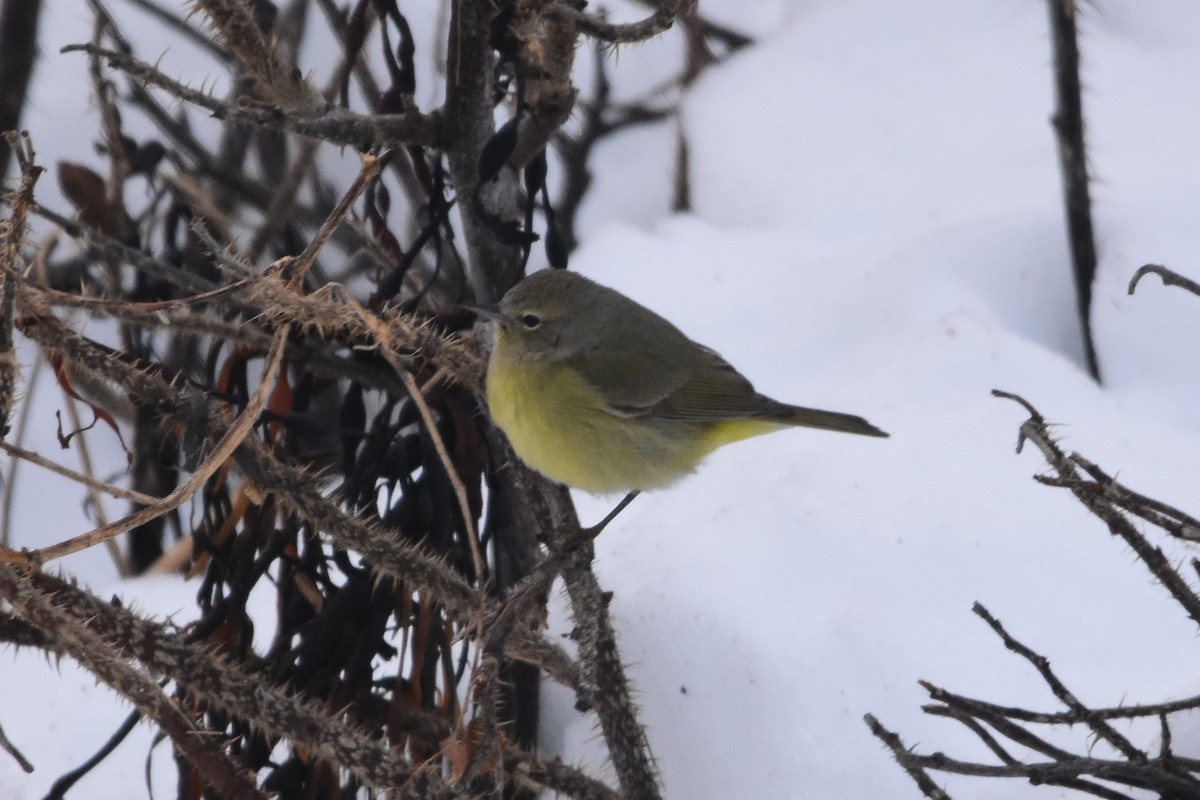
point(60, 373)
point(87, 192)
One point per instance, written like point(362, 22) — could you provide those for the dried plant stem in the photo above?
point(85, 463)
point(275, 77)
point(460, 491)
point(12, 237)
point(21, 428)
point(371, 167)
point(1169, 278)
point(659, 21)
point(79, 477)
point(1103, 506)
point(222, 451)
point(626, 738)
point(361, 498)
point(333, 126)
point(996, 725)
point(12, 750)
point(93, 652)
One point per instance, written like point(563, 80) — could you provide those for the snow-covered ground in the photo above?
point(878, 229)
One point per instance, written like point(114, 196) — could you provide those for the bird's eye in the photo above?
point(530, 321)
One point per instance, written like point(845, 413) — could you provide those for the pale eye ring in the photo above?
point(530, 321)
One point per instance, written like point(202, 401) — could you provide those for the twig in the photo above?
point(659, 20)
point(971, 723)
point(557, 776)
point(273, 74)
point(296, 489)
point(177, 24)
point(371, 167)
point(21, 428)
point(121, 636)
point(1167, 775)
point(221, 453)
point(533, 649)
point(334, 126)
point(1169, 278)
point(103, 246)
point(470, 124)
point(12, 750)
point(1170, 519)
point(284, 200)
point(1002, 725)
point(910, 762)
point(85, 462)
point(1021, 736)
point(61, 786)
point(1034, 429)
point(387, 348)
point(460, 491)
point(627, 743)
point(90, 650)
point(12, 235)
point(982, 707)
point(110, 118)
point(1098, 726)
point(79, 477)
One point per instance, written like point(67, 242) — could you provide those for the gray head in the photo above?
point(558, 314)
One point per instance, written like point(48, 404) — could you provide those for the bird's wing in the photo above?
point(700, 386)
point(715, 391)
point(630, 382)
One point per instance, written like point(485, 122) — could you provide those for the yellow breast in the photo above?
point(559, 426)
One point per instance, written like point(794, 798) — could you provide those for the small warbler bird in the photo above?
point(598, 392)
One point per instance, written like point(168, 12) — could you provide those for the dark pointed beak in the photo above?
point(489, 312)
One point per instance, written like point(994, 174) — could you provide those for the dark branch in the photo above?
point(336, 126)
point(1169, 278)
point(1072, 154)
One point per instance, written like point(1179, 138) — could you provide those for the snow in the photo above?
point(877, 228)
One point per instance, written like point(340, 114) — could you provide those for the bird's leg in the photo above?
point(585, 536)
point(594, 531)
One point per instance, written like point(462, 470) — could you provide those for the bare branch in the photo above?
point(275, 77)
point(1099, 727)
point(85, 646)
point(913, 764)
point(1169, 278)
point(333, 446)
point(997, 725)
point(658, 22)
point(1068, 124)
point(12, 750)
point(335, 126)
point(78, 477)
point(1067, 475)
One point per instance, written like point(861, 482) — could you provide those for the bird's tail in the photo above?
point(831, 421)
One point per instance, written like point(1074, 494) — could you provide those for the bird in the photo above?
point(598, 392)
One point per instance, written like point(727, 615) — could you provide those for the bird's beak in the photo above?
point(489, 312)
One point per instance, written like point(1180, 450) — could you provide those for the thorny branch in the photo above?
point(305, 407)
point(1169, 278)
point(335, 126)
point(1110, 758)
